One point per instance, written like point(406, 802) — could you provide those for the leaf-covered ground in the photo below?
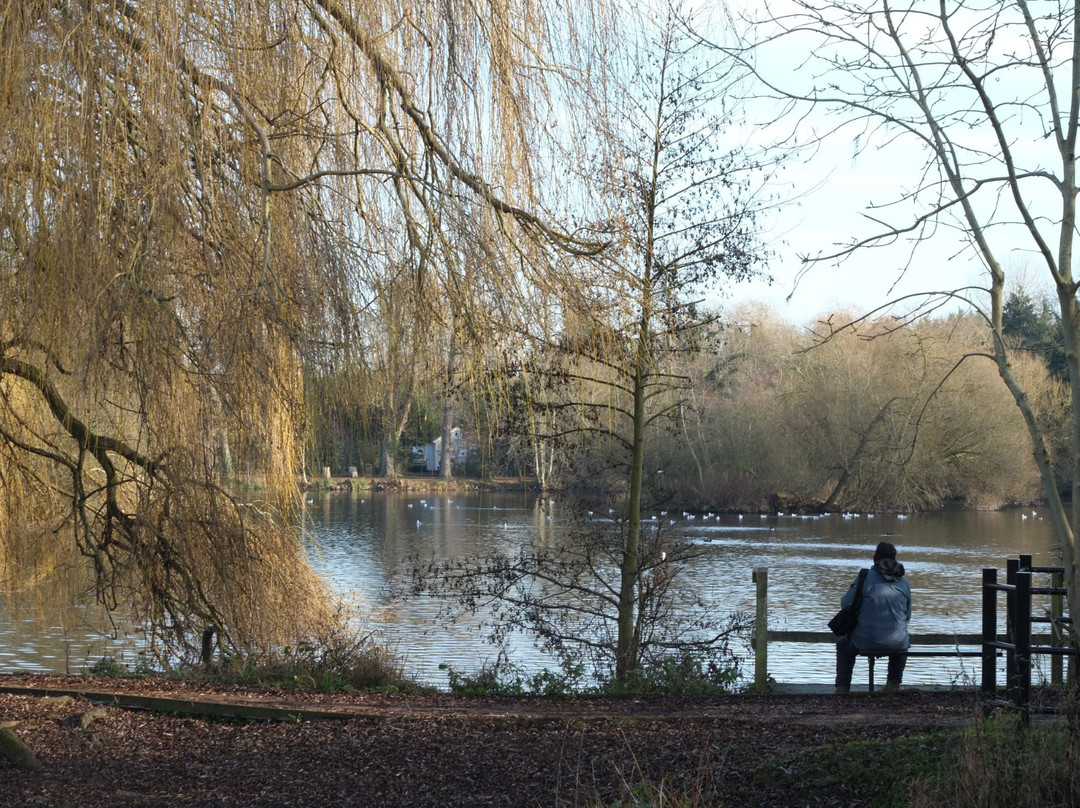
point(440, 750)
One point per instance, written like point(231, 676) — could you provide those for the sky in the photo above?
point(830, 193)
point(827, 200)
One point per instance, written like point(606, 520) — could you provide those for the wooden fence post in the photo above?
point(1057, 636)
point(989, 632)
point(1022, 626)
point(761, 630)
point(1012, 565)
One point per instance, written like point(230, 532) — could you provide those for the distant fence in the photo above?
point(1016, 645)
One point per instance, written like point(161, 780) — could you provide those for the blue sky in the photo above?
point(833, 191)
point(828, 198)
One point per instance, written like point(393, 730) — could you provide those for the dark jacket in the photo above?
point(885, 610)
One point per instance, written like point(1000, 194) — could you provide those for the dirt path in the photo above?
point(424, 750)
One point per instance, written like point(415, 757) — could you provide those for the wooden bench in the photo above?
point(922, 646)
point(922, 639)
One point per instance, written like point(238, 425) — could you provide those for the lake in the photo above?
point(360, 543)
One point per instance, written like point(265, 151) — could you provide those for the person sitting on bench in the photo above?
point(882, 627)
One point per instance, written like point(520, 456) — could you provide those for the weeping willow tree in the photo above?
point(197, 198)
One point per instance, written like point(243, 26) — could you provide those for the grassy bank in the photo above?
point(995, 762)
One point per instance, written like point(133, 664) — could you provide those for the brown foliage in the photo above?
point(189, 201)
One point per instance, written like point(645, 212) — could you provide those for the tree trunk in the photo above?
point(387, 467)
point(626, 651)
point(445, 471)
point(690, 444)
point(853, 461)
point(391, 440)
point(445, 455)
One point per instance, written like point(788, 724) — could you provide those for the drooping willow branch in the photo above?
point(391, 78)
point(122, 530)
point(98, 445)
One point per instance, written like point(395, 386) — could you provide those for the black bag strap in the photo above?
point(855, 604)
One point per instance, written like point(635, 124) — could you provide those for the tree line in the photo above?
point(890, 415)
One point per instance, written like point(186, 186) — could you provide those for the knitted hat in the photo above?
point(884, 550)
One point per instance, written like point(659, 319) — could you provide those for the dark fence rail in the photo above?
point(1018, 643)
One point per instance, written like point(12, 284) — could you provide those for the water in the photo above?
point(360, 544)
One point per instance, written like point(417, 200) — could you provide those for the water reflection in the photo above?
point(811, 561)
point(46, 639)
point(362, 543)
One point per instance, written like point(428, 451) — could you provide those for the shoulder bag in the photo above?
point(844, 621)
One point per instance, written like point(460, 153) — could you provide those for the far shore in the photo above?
point(425, 482)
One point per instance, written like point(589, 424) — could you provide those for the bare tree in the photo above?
point(685, 206)
point(986, 92)
point(678, 201)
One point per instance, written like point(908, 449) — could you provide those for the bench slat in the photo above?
point(916, 639)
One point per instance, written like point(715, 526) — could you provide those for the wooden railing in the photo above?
point(922, 645)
